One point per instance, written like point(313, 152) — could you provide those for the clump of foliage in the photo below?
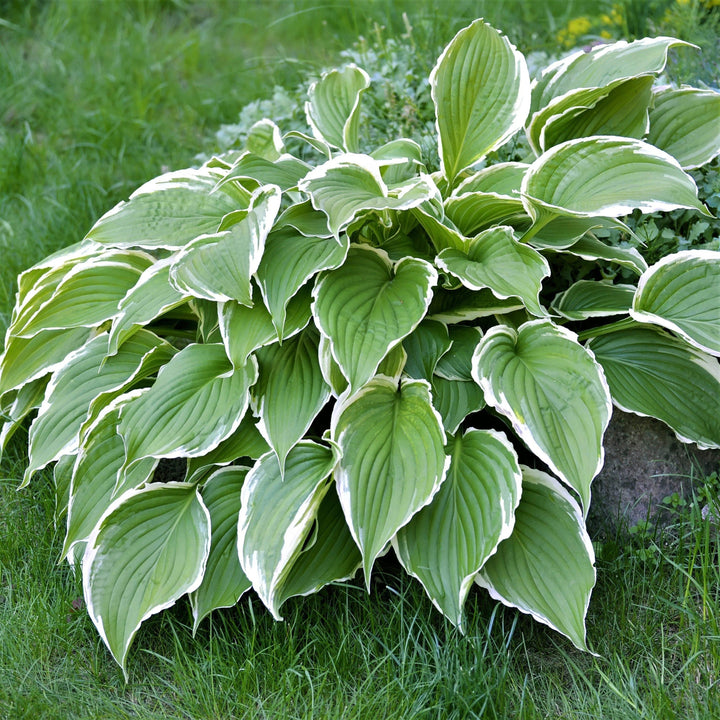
point(351, 353)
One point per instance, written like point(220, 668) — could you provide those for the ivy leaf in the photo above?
point(368, 306)
point(149, 550)
point(447, 542)
point(546, 567)
point(481, 90)
point(387, 433)
point(553, 392)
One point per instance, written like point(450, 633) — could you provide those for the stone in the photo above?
point(644, 463)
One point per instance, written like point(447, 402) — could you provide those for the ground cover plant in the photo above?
point(351, 352)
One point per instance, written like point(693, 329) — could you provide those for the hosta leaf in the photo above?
point(264, 139)
point(480, 87)
point(27, 359)
point(471, 212)
point(224, 581)
point(454, 306)
point(562, 232)
point(290, 391)
point(603, 65)
point(150, 297)
point(15, 407)
point(285, 171)
point(332, 557)
point(455, 400)
point(607, 176)
point(424, 347)
point(333, 108)
point(684, 123)
point(447, 542)
point(553, 392)
point(305, 219)
point(167, 212)
point(368, 305)
point(219, 267)
point(88, 295)
point(502, 179)
point(278, 513)
point(350, 183)
point(590, 298)
point(654, 374)
point(289, 261)
point(456, 363)
point(495, 260)
point(148, 551)
point(682, 293)
point(546, 567)
point(387, 432)
point(245, 442)
point(622, 110)
point(443, 233)
point(590, 248)
point(197, 401)
point(85, 382)
point(96, 477)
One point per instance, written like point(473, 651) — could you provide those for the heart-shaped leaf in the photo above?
point(553, 392)
point(387, 432)
point(368, 306)
point(448, 541)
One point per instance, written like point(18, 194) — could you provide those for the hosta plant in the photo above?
point(353, 356)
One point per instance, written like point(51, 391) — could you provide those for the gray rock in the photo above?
point(644, 462)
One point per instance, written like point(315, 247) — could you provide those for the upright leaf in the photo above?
point(546, 567)
point(388, 433)
point(332, 110)
point(448, 541)
point(481, 90)
point(553, 392)
point(368, 306)
point(148, 551)
point(224, 581)
point(277, 514)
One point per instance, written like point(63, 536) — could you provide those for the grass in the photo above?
point(96, 98)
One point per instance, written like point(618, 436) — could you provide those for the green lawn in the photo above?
point(98, 97)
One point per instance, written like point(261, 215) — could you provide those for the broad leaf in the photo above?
point(454, 306)
point(290, 391)
point(168, 212)
point(502, 179)
point(332, 111)
point(495, 260)
point(654, 374)
point(285, 171)
point(368, 306)
point(277, 514)
point(590, 298)
point(448, 541)
point(456, 363)
point(264, 139)
point(87, 381)
point(474, 211)
point(684, 123)
point(455, 400)
point(607, 176)
point(332, 557)
point(424, 347)
point(289, 261)
point(219, 267)
point(682, 293)
point(480, 87)
point(546, 567)
point(553, 392)
point(197, 401)
point(388, 432)
point(224, 581)
point(148, 551)
point(351, 183)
